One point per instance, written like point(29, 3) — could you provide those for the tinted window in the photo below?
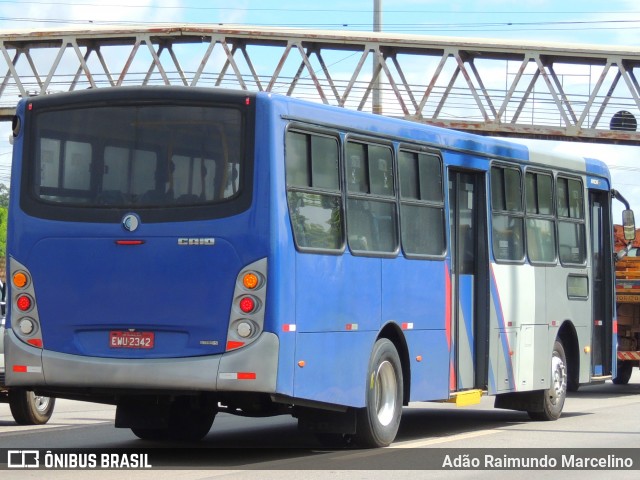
point(422, 205)
point(508, 214)
point(371, 206)
point(138, 156)
point(541, 226)
point(571, 223)
point(313, 191)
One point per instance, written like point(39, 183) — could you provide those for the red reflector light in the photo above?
point(231, 345)
point(36, 342)
point(129, 242)
point(247, 101)
point(23, 303)
point(247, 304)
point(246, 376)
point(20, 368)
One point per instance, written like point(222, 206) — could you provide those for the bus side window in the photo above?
point(571, 221)
point(371, 207)
point(540, 225)
point(421, 203)
point(507, 214)
point(313, 190)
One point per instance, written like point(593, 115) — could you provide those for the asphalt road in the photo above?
point(597, 417)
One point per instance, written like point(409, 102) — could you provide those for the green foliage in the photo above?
point(4, 196)
point(3, 231)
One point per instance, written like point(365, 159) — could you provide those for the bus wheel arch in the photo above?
point(394, 334)
point(569, 338)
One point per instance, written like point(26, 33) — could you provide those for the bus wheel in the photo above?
point(378, 422)
point(553, 398)
point(28, 408)
point(624, 373)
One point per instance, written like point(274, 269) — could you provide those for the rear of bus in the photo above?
point(137, 256)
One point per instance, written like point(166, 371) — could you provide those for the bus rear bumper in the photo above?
point(250, 369)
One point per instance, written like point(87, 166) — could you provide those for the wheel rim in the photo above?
point(559, 374)
point(41, 403)
point(386, 385)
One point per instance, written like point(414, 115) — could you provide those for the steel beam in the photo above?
point(530, 89)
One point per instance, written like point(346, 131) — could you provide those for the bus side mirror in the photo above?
point(628, 225)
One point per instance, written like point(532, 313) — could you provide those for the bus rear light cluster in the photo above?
point(247, 312)
point(23, 302)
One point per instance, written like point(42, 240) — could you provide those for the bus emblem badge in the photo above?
point(130, 222)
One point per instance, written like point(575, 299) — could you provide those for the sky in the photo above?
point(614, 23)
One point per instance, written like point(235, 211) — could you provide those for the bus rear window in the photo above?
point(138, 156)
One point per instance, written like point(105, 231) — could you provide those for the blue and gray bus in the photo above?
point(181, 252)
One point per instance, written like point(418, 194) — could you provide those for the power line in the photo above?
point(300, 9)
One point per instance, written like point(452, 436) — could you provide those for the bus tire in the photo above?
point(625, 369)
point(378, 423)
point(554, 397)
point(28, 408)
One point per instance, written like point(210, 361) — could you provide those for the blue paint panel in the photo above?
point(429, 377)
point(413, 292)
point(333, 291)
point(280, 308)
point(133, 287)
point(335, 368)
point(401, 128)
point(597, 167)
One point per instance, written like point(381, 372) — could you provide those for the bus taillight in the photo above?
point(24, 303)
point(247, 304)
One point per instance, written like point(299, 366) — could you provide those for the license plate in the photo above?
point(119, 339)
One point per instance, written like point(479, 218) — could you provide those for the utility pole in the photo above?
point(376, 98)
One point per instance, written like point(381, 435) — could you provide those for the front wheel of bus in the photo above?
point(553, 398)
point(378, 422)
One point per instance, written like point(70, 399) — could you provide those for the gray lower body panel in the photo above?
point(39, 367)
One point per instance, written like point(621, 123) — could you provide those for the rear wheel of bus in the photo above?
point(553, 398)
point(378, 422)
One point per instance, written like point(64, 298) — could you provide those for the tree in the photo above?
point(4, 195)
point(3, 232)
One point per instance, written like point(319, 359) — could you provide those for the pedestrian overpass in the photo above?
point(501, 88)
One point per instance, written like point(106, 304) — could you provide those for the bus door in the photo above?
point(602, 285)
point(469, 280)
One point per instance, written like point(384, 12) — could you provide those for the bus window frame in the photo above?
point(553, 216)
point(306, 129)
point(437, 153)
point(394, 199)
point(520, 214)
point(572, 220)
point(33, 205)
